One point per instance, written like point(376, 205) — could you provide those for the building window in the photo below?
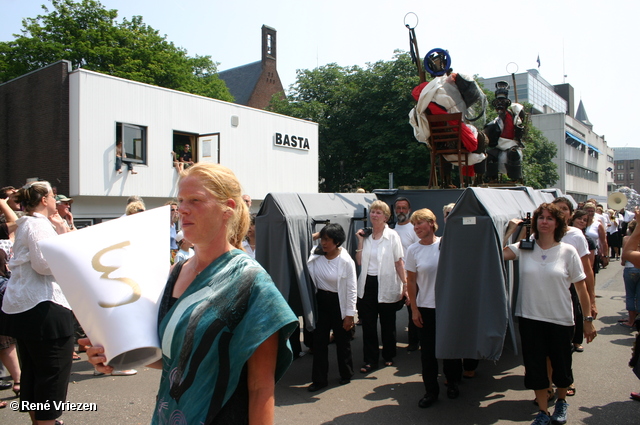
point(620, 177)
point(631, 165)
point(585, 173)
point(609, 158)
point(134, 141)
point(620, 166)
point(574, 143)
point(630, 176)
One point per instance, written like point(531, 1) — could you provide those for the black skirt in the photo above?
point(45, 321)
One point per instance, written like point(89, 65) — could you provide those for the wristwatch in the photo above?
point(588, 318)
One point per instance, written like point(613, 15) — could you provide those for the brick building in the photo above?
point(627, 167)
point(255, 84)
point(34, 129)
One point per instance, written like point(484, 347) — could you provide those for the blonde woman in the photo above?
point(381, 286)
point(422, 268)
point(223, 324)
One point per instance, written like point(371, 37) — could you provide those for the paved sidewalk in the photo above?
point(390, 395)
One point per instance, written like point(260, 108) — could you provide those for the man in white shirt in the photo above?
point(404, 228)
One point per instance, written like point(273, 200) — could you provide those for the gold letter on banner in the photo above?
point(99, 267)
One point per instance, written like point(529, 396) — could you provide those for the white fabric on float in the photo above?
point(113, 275)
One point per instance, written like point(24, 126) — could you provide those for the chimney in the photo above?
point(268, 44)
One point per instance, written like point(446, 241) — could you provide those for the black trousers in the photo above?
point(539, 341)
point(46, 368)
point(369, 309)
point(414, 331)
point(578, 336)
point(452, 367)
point(330, 318)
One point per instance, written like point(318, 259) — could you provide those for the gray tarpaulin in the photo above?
point(537, 196)
point(474, 292)
point(284, 226)
point(434, 199)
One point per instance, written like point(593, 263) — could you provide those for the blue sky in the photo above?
point(593, 43)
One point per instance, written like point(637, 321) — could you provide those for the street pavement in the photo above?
point(390, 395)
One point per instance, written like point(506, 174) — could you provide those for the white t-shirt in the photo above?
point(423, 261)
point(593, 232)
point(184, 255)
point(372, 270)
point(576, 239)
point(407, 235)
point(247, 248)
point(628, 216)
point(604, 219)
point(545, 278)
point(326, 274)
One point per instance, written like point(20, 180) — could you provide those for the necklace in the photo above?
point(334, 255)
point(544, 252)
point(195, 269)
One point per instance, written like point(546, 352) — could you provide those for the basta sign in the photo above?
point(293, 142)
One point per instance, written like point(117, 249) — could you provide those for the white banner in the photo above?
point(113, 275)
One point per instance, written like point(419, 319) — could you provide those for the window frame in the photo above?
point(120, 134)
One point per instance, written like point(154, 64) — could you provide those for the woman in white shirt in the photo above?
point(596, 231)
point(334, 275)
point(544, 308)
point(39, 315)
point(381, 286)
point(422, 266)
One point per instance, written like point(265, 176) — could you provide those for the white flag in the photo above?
point(113, 275)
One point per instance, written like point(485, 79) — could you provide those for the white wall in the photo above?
point(553, 126)
point(98, 102)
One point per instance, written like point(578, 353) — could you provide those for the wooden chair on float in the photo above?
point(445, 140)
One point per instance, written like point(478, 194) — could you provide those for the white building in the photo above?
point(584, 159)
point(268, 152)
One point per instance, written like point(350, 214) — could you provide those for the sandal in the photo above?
point(388, 364)
point(75, 356)
point(16, 391)
point(571, 391)
point(366, 368)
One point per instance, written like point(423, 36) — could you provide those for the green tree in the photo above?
point(88, 35)
point(365, 132)
point(364, 125)
point(538, 168)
